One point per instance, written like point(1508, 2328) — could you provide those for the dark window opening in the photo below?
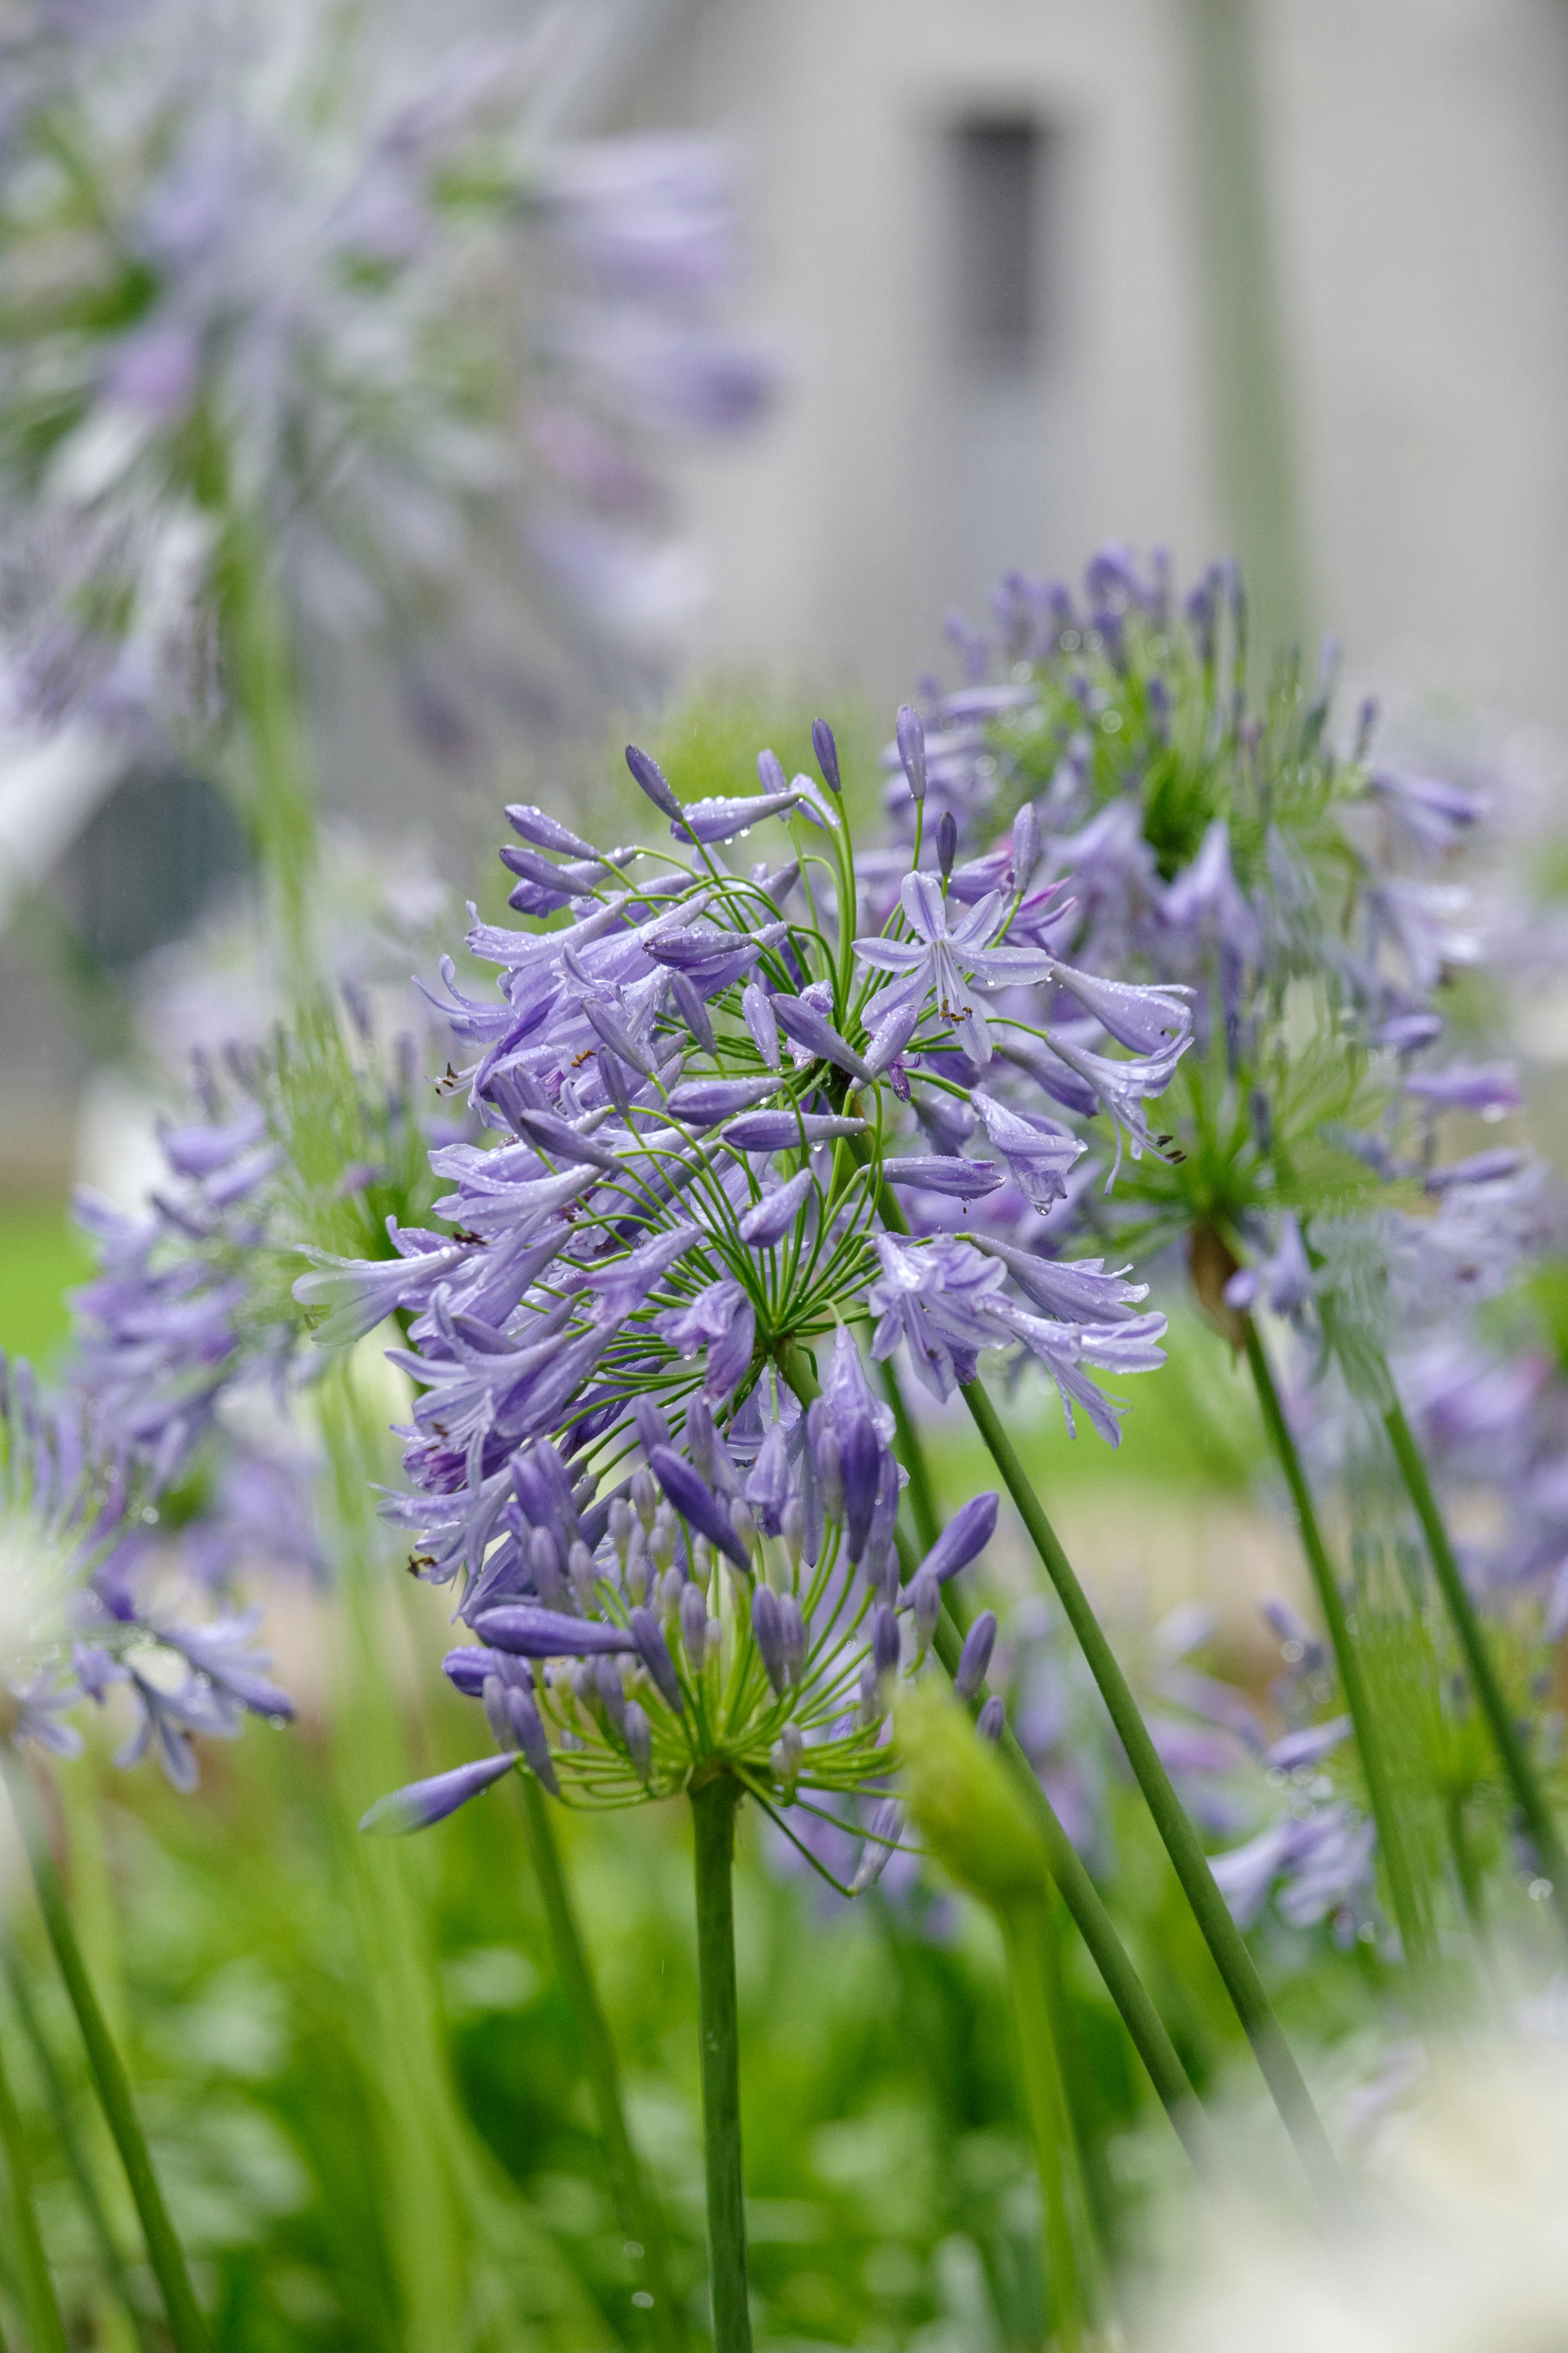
point(150, 862)
point(999, 165)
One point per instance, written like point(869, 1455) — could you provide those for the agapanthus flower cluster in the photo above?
point(85, 1610)
point(711, 1095)
point(712, 1614)
point(279, 285)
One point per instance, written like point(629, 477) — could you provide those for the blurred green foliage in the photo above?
point(42, 1256)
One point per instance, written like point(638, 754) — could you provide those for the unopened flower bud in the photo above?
point(653, 1652)
point(637, 1733)
point(702, 1560)
point(826, 751)
point(715, 1636)
point(787, 1755)
point(911, 741)
point(975, 1656)
point(621, 1524)
point(946, 843)
point(493, 1695)
point(671, 1586)
point(583, 1687)
point(767, 1626)
point(744, 1520)
point(884, 1640)
point(531, 1737)
point(830, 1473)
point(694, 1626)
point(544, 1566)
point(792, 1528)
point(925, 1604)
point(661, 1536)
point(700, 1436)
point(638, 1571)
point(644, 1495)
point(581, 1570)
point(873, 1706)
point(612, 1697)
point(883, 1836)
point(793, 1626)
point(993, 1717)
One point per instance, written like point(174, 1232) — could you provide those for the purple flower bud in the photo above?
point(782, 1131)
point(760, 1021)
point(614, 1034)
point(425, 1802)
point(703, 1102)
point(826, 751)
point(771, 1219)
point(652, 1428)
point(544, 1566)
point(653, 1652)
point(925, 1602)
point(884, 1639)
point(621, 1524)
point(468, 1668)
point(546, 833)
point(787, 1755)
point(531, 1737)
point(651, 776)
point(557, 1136)
point(943, 1172)
point(1025, 846)
point(694, 1626)
point(531, 1633)
point(613, 1078)
point(612, 1698)
point(829, 1468)
point(637, 1734)
point(967, 1533)
point(794, 1629)
point(974, 1658)
point(693, 1012)
point(911, 741)
point(881, 1838)
point(993, 1717)
point(767, 1626)
point(813, 1030)
point(493, 1696)
point(947, 843)
point(771, 773)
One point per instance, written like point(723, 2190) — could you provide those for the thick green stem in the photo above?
point(164, 2250)
point(46, 2329)
point(70, 2140)
point(1145, 2028)
point(1412, 1916)
point(636, 2204)
point(1528, 1794)
point(1220, 1933)
point(1026, 1932)
point(713, 1808)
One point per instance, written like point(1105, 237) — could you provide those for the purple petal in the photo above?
point(425, 1802)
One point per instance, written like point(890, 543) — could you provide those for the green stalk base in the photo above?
point(164, 2253)
point(713, 1810)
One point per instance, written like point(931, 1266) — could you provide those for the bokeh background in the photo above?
point(1282, 277)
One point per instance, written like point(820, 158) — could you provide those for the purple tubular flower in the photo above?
point(617, 1036)
point(559, 1137)
point(1144, 1019)
point(1285, 1281)
point(771, 1218)
point(1480, 1168)
point(826, 751)
point(533, 1633)
point(701, 1103)
point(783, 1131)
point(975, 1659)
point(530, 1737)
point(468, 1666)
point(813, 1030)
point(697, 1504)
point(767, 1626)
point(858, 1431)
point(721, 820)
point(546, 833)
point(1078, 1289)
point(910, 735)
point(945, 1172)
point(965, 1536)
point(425, 1802)
point(651, 776)
point(693, 1012)
point(720, 1319)
point(1489, 1090)
point(760, 1021)
point(1040, 1156)
point(654, 1651)
point(992, 1720)
point(1434, 814)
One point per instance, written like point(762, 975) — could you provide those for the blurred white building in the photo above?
point(1280, 275)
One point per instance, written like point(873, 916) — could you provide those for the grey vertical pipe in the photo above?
point(1254, 449)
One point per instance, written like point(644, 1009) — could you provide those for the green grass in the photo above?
point(42, 1256)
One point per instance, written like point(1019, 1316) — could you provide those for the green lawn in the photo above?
point(42, 1256)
